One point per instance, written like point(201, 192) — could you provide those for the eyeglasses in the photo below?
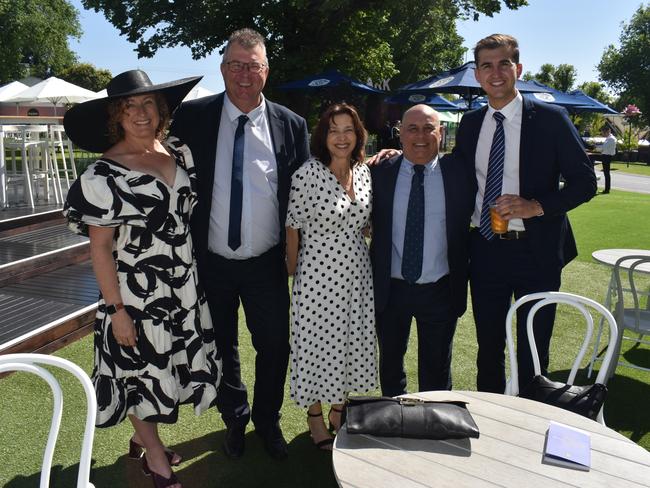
point(238, 67)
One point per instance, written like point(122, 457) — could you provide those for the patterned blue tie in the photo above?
point(236, 186)
point(414, 231)
point(494, 180)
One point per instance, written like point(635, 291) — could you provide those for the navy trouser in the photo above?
point(261, 285)
point(499, 270)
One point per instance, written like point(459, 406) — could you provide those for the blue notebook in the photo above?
point(567, 446)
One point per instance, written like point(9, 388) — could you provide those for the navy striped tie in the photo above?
point(236, 186)
point(494, 180)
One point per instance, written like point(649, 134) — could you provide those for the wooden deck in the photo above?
point(48, 292)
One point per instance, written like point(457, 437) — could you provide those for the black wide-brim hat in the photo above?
point(86, 124)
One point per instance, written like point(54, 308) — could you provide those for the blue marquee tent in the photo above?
point(328, 79)
point(436, 101)
point(461, 81)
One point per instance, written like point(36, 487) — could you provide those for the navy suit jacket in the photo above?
point(550, 146)
point(196, 123)
point(458, 210)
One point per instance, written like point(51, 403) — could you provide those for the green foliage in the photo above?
point(376, 39)
point(627, 68)
point(34, 37)
point(87, 76)
point(561, 77)
point(593, 122)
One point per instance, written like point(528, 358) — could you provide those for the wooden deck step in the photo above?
point(23, 217)
point(39, 251)
point(47, 311)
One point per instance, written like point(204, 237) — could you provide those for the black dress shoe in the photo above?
point(274, 442)
point(234, 443)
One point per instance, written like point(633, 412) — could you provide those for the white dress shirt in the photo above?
point(609, 146)
point(434, 255)
point(260, 227)
point(512, 132)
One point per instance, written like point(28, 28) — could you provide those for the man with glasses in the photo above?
point(518, 148)
point(245, 149)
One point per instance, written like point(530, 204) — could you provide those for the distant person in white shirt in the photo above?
point(607, 153)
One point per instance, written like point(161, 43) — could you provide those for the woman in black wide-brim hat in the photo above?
point(154, 342)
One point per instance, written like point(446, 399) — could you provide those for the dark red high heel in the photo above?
point(136, 451)
point(158, 480)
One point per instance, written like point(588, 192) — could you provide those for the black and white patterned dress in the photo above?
point(175, 361)
point(332, 306)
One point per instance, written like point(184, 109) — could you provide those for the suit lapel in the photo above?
point(391, 183)
point(276, 125)
point(210, 133)
point(526, 157)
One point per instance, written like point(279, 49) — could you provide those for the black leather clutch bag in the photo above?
point(409, 417)
point(584, 400)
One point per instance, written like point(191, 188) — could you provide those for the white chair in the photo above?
point(583, 305)
point(30, 363)
point(631, 317)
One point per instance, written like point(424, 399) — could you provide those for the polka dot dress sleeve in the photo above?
point(302, 195)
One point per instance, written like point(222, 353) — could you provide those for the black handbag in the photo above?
point(584, 400)
point(409, 417)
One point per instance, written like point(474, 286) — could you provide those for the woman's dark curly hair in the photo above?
point(319, 136)
point(116, 109)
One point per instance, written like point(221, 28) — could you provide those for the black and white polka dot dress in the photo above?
point(332, 308)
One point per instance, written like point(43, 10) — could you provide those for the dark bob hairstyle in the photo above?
point(319, 136)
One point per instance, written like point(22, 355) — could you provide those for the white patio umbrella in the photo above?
point(54, 91)
point(198, 92)
point(11, 89)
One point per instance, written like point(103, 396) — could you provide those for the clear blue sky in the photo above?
point(549, 31)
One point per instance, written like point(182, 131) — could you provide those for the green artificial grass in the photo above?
point(25, 404)
point(617, 220)
point(635, 168)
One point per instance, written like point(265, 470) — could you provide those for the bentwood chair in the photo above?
point(586, 307)
point(32, 363)
point(631, 314)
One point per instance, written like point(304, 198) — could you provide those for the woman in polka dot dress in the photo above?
point(332, 308)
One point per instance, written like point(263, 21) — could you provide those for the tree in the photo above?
point(627, 69)
point(546, 74)
point(564, 77)
point(593, 122)
point(561, 77)
point(87, 76)
point(376, 39)
point(34, 37)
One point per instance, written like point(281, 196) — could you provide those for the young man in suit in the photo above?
point(517, 149)
point(420, 218)
point(245, 149)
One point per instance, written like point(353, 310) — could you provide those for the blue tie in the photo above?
point(236, 186)
point(414, 230)
point(494, 180)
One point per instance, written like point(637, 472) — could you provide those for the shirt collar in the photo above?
point(428, 168)
point(254, 115)
point(510, 110)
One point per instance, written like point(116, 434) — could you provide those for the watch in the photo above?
point(112, 309)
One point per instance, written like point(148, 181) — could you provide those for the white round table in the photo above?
point(508, 452)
